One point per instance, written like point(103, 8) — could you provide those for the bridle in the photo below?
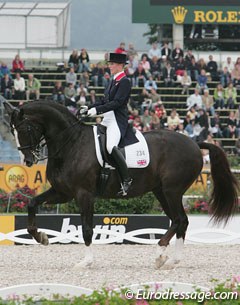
point(35, 146)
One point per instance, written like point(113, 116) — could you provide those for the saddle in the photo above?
point(136, 155)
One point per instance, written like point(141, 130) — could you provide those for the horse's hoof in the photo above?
point(160, 261)
point(43, 238)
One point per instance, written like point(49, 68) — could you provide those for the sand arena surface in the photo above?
point(114, 265)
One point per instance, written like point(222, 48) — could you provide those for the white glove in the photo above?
point(83, 110)
point(92, 112)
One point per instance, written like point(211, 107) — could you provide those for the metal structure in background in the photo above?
point(34, 25)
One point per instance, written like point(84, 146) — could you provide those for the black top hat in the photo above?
point(117, 58)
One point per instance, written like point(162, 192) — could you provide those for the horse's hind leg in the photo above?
point(86, 202)
point(172, 206)
point(51, 197)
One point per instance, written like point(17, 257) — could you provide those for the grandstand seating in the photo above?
point(171, 97)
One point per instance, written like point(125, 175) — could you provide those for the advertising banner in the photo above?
point(15, 176)
point(68, 228)
point(185, 11)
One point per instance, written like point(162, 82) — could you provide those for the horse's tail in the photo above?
point(224, 197)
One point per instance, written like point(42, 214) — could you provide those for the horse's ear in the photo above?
point(9, 108)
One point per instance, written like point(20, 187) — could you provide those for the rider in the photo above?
point(115, 116)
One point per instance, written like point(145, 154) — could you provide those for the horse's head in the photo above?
point(29, 133)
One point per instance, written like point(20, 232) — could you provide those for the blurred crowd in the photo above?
point(175, 68)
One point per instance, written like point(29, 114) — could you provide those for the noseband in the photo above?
point(34, 147)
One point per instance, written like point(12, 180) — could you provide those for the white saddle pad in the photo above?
point(137, 155)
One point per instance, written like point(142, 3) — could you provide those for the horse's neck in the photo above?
point(56, 122)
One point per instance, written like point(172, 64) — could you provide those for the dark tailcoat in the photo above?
point(116, 97)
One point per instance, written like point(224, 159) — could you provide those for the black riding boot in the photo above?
point(122, 169)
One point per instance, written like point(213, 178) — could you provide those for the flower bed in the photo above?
point(227, 293)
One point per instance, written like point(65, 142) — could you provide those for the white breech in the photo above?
point(113, 132)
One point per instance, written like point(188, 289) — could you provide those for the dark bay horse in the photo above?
point(73, 170)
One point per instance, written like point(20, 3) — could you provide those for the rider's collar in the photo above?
point(117, 77)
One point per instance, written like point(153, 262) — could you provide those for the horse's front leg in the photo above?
point(86, 202)
point(51, 197)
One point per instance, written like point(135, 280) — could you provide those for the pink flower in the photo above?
point(236, 278)
point(141, 302)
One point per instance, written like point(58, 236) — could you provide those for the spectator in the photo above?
point(179, 68)
point(161, 113)
point(84, 61)
point(154, 51)
point(192, 113)
point(193, 69)
point(194, 100)
point(173, 120)
point(229, 64)
point(216, 126)
point(106, 79)
point(219, 96)
point(131, 67)
point(58, 93)
point(208, 102)
point(140, 76)
point(202, 119)
point(231, 130)
point(189, 56)
point(146, 121)
point(177, 52)
point(71, 77)
point(70, 94)
point(92, 98)
point(168, 75)
point(212, 68)
point(235, 75)
point(17, 64)
point(84, 79)
point(137, 123)
point(201, 64)
point(81, 99)
point(33, 88)
point(121, 49)
point(202, 81)
point(7, 87)
point(192, 130)
point(155, 97)
point(74, 60)
point(145, 100)
point(19, 87)
point(155, 121)
point(145, 63)
point(4, 70)
point(97, 75)
point(131, 51)
point(181, 129)
point(225, 77)
point(81, 88)
point(231, 96)
point(155, 68)
point(205, 152)
point(166, 51)
point(150, 83)
point(186, 82)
